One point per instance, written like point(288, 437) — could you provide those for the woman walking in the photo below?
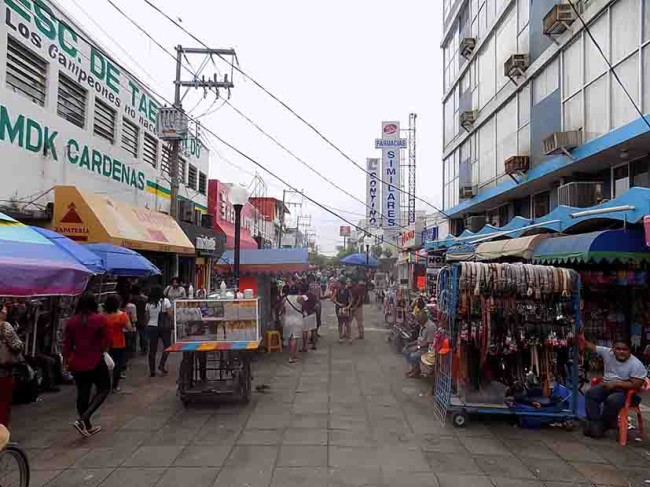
point(86, 338)
point(342, 298)
point(10, 349)
point(293, 326)
point(118, 323)
point(159, 327)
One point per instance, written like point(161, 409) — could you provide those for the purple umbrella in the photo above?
point(31, 265)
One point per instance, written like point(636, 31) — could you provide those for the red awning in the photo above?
point(246, 241)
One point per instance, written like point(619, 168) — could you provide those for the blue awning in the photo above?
point(595, 247)
point(630, 207)
point(77, 251)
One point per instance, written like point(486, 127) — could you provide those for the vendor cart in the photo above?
point(511, 332)
point(215, 337)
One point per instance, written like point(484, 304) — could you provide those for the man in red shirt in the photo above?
point(86, 338)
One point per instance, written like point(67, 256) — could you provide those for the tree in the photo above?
point(343, 252)
point(388, 252)
point(319, 260)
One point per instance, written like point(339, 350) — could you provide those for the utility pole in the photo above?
point(411, 168)
point(196, 82)
point(286, 204)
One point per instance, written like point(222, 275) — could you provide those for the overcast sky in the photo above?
point(344, 65)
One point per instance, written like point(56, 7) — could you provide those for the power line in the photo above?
point(193, 73)
point(229, 145)
point(303, 162)
point(609, 65)
point(287, 107)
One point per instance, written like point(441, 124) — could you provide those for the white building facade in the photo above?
point(71, 115)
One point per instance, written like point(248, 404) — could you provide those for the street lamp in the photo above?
point(238, 197)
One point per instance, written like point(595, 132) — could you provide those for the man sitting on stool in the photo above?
point(623, 372)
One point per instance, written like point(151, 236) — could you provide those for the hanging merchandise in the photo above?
point(511, 328)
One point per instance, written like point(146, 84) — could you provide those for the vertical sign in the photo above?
point(372, 193)
point(390, 174)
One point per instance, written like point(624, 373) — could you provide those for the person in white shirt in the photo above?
point(159, 327)
point(175, 291)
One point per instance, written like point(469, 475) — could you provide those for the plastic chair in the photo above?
point(273, 341)
point(625, 411)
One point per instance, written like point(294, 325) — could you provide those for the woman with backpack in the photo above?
point(86, 338)
point(159, 327)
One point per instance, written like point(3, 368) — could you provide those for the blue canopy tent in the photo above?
point(595, 247)
point(77, 251)
point(120, 261)
point(361, 260)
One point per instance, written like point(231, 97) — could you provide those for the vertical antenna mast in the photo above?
point(411, 168)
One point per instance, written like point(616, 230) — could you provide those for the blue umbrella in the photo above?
point(120, 261)
point(360, 260)
point(79, 252)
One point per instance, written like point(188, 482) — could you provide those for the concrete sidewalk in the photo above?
point(344, 416)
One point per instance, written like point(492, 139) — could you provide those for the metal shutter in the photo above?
point(104, 125)
point(71, 103)
point(26, 72)
point(150, 150)
point(191, 177)
point(130, 135)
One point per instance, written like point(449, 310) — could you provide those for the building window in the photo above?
point(192, 177)
point(546, 82)
point(150, 150)
point(71, 103)
point(541, 204)
point(203, 183)
point(104, 124)
point(26, 72)
point(166, 157)
point(130, 136)
point(639, 173)
point(182, 169)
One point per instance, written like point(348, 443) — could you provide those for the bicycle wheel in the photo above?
point(14, 467)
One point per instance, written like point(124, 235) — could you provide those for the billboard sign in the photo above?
point(372, 192)
point(390, 174)
point(345, 231)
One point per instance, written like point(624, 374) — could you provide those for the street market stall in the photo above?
point(510, 328)
point(215, 336)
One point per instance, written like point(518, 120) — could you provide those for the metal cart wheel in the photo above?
point(460, 419)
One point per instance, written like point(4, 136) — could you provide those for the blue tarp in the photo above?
point(120, 261)
point(77, 251)
point(267, 257)
point(360, 260)
point(605, 246)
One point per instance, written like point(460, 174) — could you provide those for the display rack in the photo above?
point(508, 325)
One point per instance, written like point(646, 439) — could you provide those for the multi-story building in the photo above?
point(78, 131)
point(224, 216)
point(272, 215)
point(533, 116)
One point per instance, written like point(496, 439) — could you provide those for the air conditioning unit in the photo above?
point(467, 46)
point(517, 164)
point(516, 66)
point(580, 194)
point(467, 119)
point(186, 211)
point(475, 223)
point(558, 19)
point(562, 142)
point(467, 192)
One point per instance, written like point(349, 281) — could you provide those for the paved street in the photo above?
point(344, 416)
